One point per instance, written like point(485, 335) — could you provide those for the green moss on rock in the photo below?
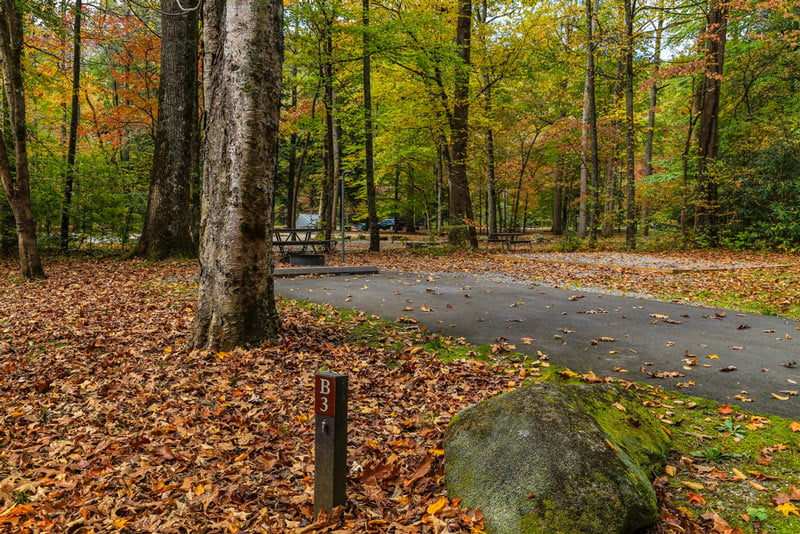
point(556, 458)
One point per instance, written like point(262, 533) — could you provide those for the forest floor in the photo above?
point(109, 422)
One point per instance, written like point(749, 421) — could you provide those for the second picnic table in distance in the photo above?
point(509, 239)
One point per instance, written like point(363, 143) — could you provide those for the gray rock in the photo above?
point(557, 458)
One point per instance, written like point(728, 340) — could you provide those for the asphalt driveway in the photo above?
point(737, 355)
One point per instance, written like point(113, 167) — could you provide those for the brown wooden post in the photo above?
point(330, 440)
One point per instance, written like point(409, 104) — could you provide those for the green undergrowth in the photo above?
point(724, 460)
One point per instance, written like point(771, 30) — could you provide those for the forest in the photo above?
point(588, 119)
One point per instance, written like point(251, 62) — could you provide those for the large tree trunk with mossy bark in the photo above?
point(16, 178)
point(242, 80)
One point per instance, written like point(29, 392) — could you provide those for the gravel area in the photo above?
point(640, 261)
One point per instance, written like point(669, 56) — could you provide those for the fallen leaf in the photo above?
point(787, 509)
point(437, 506)
point(778, 397)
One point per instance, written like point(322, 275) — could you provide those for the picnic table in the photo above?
point(302, 241)
point(509, 239)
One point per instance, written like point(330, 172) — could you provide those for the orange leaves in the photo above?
point(725, 409)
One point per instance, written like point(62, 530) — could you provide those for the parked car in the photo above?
point(393, 224)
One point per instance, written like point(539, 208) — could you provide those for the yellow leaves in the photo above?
point(713, 357)
point(779, 397)
point(756, 485)
point(794, 426)
point(619, 407)
point(692, 485)
point(738, 476)
point(120, 522)
point(670, 470)
point(437, 506)
point(787, 509)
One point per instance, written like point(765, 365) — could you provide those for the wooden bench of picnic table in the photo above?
point(302, 241)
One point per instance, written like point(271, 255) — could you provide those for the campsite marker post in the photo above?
point(330, 440)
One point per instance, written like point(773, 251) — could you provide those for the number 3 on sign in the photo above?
point(324, 395)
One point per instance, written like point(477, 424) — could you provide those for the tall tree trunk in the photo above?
point(715, 33)
point(241, 84)
point(167, 227)
point(369, 157)
point(630, 177)
point(16, 178)
point(589, 209)
point(75, 111)
point(651, 115)
point(591, 119)
point(462, 230)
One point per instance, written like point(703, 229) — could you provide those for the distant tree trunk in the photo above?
point(241, 86)
point(462, 230)
point(589, 209)
point(369, 157)
point(8, 238)
point(291, 172)
point(75, 111)
point(16, 178)
point(591, 119)
point(491, 187)
point(651, 115)
point(167, 227)
point(583, 203)
point(329, 193)
point(440, 172)
point(715, 33)
point(557, 226)
point(630, 176)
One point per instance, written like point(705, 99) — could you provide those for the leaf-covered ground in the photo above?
point(109, 423)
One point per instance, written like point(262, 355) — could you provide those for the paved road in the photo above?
point(564, 323)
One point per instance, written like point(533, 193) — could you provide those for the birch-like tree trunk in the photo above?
point(630, 177)
point(241, 80)
point(651, 115)
point(16, 178)
point(167, 227)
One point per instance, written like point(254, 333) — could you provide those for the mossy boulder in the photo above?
point(557, 458)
